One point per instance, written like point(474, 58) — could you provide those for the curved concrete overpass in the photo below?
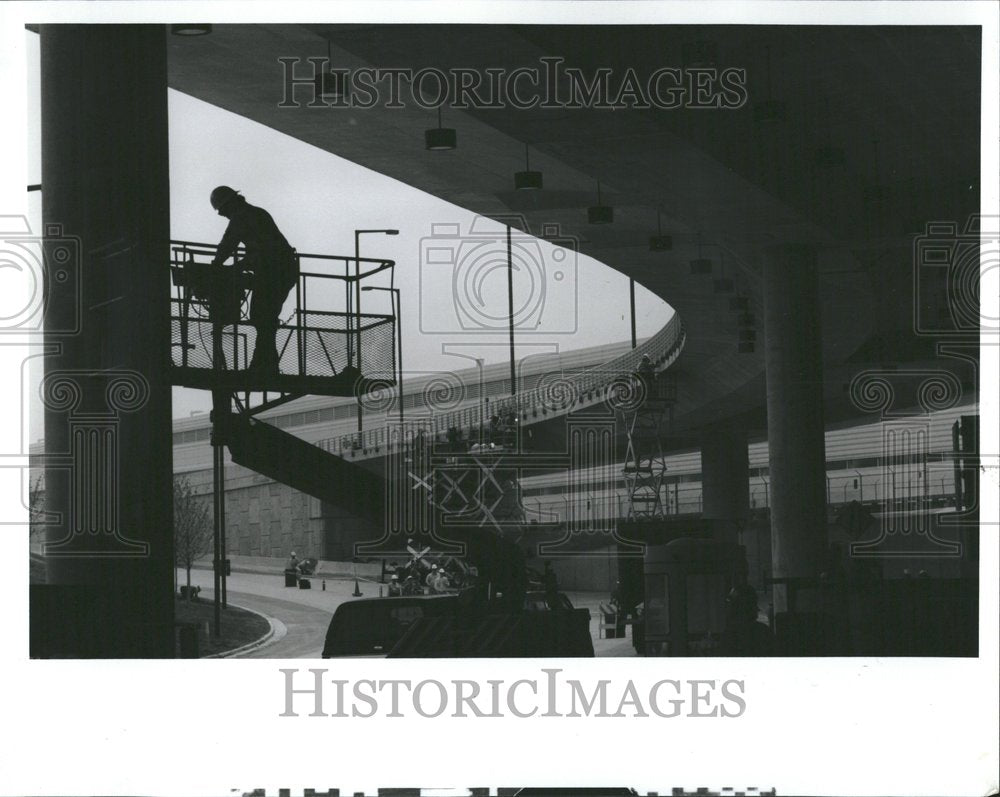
point(730, 188)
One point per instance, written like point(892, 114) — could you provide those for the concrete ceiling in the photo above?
point(902, 104)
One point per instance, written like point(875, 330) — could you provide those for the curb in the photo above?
point(276, 630)
point(334, 575)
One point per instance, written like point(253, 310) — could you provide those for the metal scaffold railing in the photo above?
point(325, 344)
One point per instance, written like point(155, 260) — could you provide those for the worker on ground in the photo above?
point(273, 263)
point(430, 578)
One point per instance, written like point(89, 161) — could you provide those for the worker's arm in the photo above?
point(227, 246)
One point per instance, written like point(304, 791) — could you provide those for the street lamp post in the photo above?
point(631, 303)
point(357, 309)
point(398, 310)
point(510, 314)
point(479, 362)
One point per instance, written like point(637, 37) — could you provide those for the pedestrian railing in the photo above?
point(554, 394)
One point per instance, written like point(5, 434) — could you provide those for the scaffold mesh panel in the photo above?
point(191, 344)
point(329, 342)
point(322, 344)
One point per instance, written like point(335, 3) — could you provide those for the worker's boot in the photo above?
point(264, 362)
point(265, 356)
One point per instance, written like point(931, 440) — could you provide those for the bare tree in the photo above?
point(36, 508)
point(193, 532)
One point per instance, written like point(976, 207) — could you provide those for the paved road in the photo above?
point(306, 613)
point(304, 626)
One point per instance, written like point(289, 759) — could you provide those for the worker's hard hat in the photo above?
point(222, 196)
point(293, 553)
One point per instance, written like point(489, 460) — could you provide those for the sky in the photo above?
point(318, 199)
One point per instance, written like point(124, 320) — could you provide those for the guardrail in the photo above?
point(556, 394)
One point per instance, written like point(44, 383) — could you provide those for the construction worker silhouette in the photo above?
point(271, 259)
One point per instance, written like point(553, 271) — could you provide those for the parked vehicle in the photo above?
point(373, 626)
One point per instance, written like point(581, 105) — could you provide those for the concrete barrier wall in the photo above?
point(264, 518)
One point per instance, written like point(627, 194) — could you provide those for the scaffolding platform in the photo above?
point(325, 344)
point(344, 384)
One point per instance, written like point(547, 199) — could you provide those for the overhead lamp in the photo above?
point(829, 157)
point(527, 180)
point(875, 194)
point(699, 54)
point(440, 138)
point(768, 110)
point(660, 242)
point(723, 284)
point(330, 85)
point(701, 265)
point(190, 29)
point(600, 214)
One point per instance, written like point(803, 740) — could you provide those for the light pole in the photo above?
point(479, 362)
point(631, 303)
point(357, 309)
point(398, 310)
point(510, 313)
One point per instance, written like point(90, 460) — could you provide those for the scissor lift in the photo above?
point(321, 351)
point(646, 423)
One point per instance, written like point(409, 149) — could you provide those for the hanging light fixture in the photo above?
point(828, 156)
point(701, 265)
point(527, 180)
point(875, 193)
point(660, 242)
point(600, 214)
point(768, 110)
point(330, 85)
point(746, 332)
point(723, 284)
point(440, 138)
point(701, 54)
point(190, 29)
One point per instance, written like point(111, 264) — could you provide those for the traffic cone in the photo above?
point(357, 589)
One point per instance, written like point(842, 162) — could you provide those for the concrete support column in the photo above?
point(793, 358)
point(105, 199)
point(725, 474)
